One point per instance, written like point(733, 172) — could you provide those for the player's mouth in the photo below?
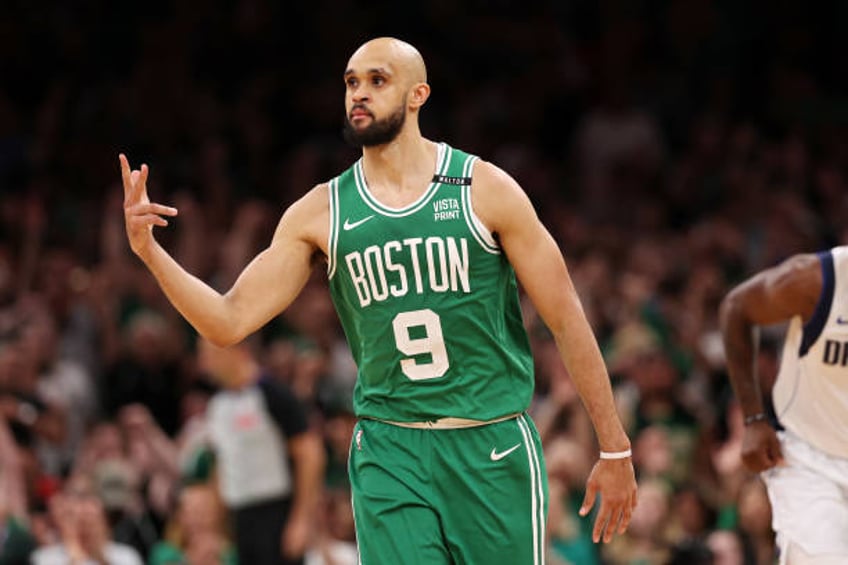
point(359, 113)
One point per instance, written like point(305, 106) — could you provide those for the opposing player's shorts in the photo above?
point(474, 495)
point(809, 499)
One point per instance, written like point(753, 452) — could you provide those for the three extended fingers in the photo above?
point(137, 208)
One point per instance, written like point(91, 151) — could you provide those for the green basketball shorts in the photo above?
point(475, 496)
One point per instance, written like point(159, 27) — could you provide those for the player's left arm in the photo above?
point(505, 209)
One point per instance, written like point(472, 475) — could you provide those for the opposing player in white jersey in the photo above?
point(805, 464)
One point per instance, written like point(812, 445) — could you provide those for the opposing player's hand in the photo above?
point(140, 215)
point(760, 447)
point(615, 481)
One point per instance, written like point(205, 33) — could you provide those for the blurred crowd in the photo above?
point(672, 148)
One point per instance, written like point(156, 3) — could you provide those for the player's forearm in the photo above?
point(740, 346)
point(583, 359)
point(204, 308)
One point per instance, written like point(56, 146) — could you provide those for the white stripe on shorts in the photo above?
point(537, 494)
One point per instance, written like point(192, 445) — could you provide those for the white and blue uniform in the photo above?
point(809, 495)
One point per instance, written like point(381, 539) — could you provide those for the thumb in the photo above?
point(589, 499)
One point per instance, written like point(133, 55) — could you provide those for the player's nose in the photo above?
point(360, 94)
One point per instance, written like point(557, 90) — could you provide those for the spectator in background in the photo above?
point(646, 540)
point(119, 482)
point(118, 486)
point(37, 424)
point(257, 427)
point(84, 535)
point(16, 541)
point(197, 533)
point(619, 149)
point(165, 462)
point(147, 371)
point(727, 547)
point(652, 383)
point(64, 384)
point(337, 427)
point(65, 287)
point(690, 517)
point(568, 537)
point(691, 552)
point(335, 542)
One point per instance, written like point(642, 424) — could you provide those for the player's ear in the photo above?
point(418, 95)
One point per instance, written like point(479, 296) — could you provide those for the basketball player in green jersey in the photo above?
point(423, 244)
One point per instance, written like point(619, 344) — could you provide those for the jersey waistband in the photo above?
point(449, 423)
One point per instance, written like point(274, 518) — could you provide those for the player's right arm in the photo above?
point(769, 297)
point(267, 285)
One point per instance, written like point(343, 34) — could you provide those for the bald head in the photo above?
point(385, 87)
point(396, 56)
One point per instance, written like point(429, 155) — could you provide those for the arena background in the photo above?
point(672, 148)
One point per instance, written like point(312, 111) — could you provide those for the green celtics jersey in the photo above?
point(428, 301)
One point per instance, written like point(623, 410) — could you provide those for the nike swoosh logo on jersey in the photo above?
point(841, 321)
point(348, 225)
point(495, 456)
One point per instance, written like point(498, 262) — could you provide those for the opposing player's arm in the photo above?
point(267, 285)
point(769, 297)
point(505, 209)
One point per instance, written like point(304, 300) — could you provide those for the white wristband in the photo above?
point(616, 454)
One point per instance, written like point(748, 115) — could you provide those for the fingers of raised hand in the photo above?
point(125, 174)
point(134, 181)
point(138, 210)
point(149, 214)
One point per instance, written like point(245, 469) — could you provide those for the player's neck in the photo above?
point(400, 164)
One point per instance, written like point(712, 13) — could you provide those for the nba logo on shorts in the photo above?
point(359, 440)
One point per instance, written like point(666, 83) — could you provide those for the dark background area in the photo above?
point(166, 82)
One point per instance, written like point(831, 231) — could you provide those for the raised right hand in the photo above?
point(140, 215)
point(761, 447)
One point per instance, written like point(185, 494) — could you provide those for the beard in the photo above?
point(380, 132)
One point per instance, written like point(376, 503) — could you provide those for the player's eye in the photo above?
point(351, 82)
point(377, 80)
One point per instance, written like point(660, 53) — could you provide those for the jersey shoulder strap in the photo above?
point(460, 166)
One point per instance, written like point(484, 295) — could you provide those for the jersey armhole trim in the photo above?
point(333, 238)
point(814, 326)
point(478, 230)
